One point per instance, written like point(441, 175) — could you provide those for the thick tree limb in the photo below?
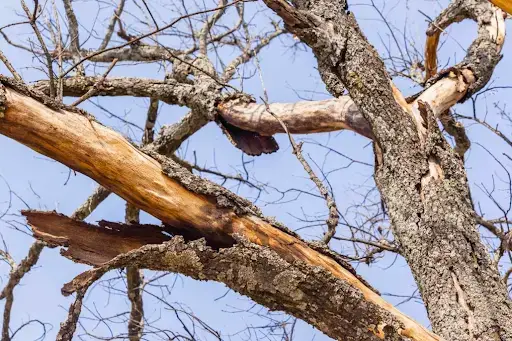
point(96, 151)
point(333, 114)
point(484, 53)
point(170, 91)
point(301, 118)
point(422, 181)
point(339, 309)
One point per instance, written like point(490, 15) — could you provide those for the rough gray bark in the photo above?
point(310, 293)
point(170, 91)
point(422, 181)
point(135, 279)
point(306, 292)
point(202, 96)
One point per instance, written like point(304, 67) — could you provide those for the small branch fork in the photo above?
point(94, 89)
point(333, 220)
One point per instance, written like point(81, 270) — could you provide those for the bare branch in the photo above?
point(68, 327)
point(9, 67)
point(137, 39)
point(49, 61)
point(491, 37)
point(96, 198)
point(205, 31)
point(112, 24)
point(134, 278)
point(15, 276)
point(74, 36)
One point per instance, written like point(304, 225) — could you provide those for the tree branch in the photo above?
point(170, 91)
point(15, 276)
point(74, 36)
point(96, 198)
point(212, 211)
point(112, 24)
point(339, 309)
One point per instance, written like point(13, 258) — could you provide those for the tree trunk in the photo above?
point(433, 220)
point(422, 181)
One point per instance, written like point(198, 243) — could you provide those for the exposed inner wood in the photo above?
point(431, 54)
point(505, 5)
point(91, 244)
point(303, 117)
point(338, 113)
point(107, 157)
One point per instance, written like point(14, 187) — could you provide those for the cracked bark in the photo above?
point(421, 179)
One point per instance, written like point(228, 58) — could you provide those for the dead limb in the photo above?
point(211, 211)
point(339, 309)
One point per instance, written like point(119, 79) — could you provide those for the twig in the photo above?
point(74, 35)
point(93, 90)
point(110, 29)
point(139, 38)
point(332, 221)
point(9, 67)
point(150, 14)
point(32, 19)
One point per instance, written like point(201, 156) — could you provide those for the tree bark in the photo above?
point(78, 141)
point(307, 292)
point(304, 117)
point(422, 181)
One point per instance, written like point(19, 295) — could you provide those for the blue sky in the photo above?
point(44, 184)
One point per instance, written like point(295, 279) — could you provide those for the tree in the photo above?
point(427, 215)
